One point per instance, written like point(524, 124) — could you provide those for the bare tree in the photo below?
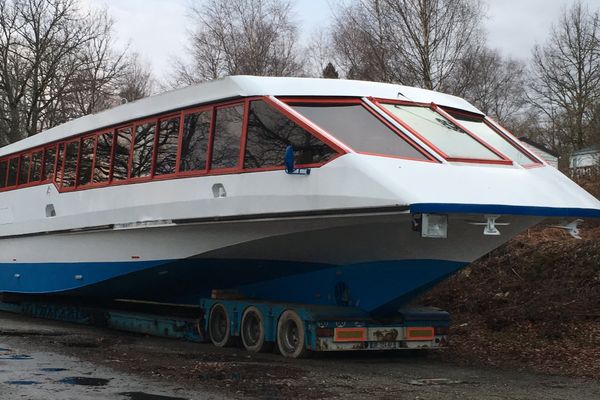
point(363, 42)
point(55, 63)
point(566, 79)
point(255, 37)
point(435, 36)
point(94, 85)
point(494, 84)
point(414, 42)
point(318, 52)
point(137, 81)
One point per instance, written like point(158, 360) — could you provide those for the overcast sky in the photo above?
point(157, 28)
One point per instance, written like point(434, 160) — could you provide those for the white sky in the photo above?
point(157, 28)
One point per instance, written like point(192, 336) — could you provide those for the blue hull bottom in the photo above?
point(378, 287)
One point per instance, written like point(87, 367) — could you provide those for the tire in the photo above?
point(219, 326)
point(252, 330)
point(290, 335)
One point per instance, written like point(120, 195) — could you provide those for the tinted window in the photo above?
point(228, 130)
point(3, 169)
point(70, 164)
point(24, 169)
point(36, 167)
point(269, 134)
point(166, 151)
point(102, 160)
point(194, 143)
point(143, 150)
point(13, 166)
point(359, 129)
point(122, 149)
point(490, 136)
point(445, 135)
point(59, 162)
point(49, 159)
point(85, 161)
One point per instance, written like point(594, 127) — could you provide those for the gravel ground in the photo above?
point(49, 360)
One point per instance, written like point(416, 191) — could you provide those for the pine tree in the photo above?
point(330, 72)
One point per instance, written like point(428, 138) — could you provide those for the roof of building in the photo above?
point(585, 150)
point(538, 146)
point(230, 88)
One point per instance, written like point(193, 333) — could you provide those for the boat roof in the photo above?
point(233, 87)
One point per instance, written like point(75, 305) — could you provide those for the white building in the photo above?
point(584, 158)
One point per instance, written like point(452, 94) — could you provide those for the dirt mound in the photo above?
point(534, 302)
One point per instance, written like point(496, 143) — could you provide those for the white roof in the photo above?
point(234, 87)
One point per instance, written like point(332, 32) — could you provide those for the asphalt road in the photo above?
point(49, 360)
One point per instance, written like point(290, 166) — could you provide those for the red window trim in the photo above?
point(196, 110)
point(306, 124)
point(5, 161)
point(135, 125)
point(511, 139)
point(56, 176)
point(307, 100)
point(31, 170)
point(156, 138)
point(64, 163)
point(240, 165)
point(503, 159)
point(83, 139)
point(515, 141)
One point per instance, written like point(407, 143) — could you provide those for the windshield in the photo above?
point(485, 132)
point(441, 132)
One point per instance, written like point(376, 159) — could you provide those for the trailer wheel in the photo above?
point(290, 335)
point(253, 330)
point(219, 327)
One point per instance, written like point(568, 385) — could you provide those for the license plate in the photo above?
point(383, 345)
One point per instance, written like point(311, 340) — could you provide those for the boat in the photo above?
point(315, 191)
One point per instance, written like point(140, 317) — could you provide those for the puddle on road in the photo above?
point(435, 382)
point(148, 396)
point(21, 382)
point(26, 333)
point(53, 369)
point(16, 357)
point(84, 381)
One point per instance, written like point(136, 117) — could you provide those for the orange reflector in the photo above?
point(350, 335)
point(419, 333)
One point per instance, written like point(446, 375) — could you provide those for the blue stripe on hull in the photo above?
point(377, 287)
point(503, 209)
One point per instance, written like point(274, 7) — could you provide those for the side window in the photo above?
point(228, 131)
point(102, 160)
point(70, 164)
point(13, 166)
point(86, 156)
point(3, 168)
point(143, 146)
point(59, 163)
point(35, 173)
point(269, 134)
point(24, 169)
point(122, 150)
point(194, 144)
point(166, 151)
point(49, 160)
